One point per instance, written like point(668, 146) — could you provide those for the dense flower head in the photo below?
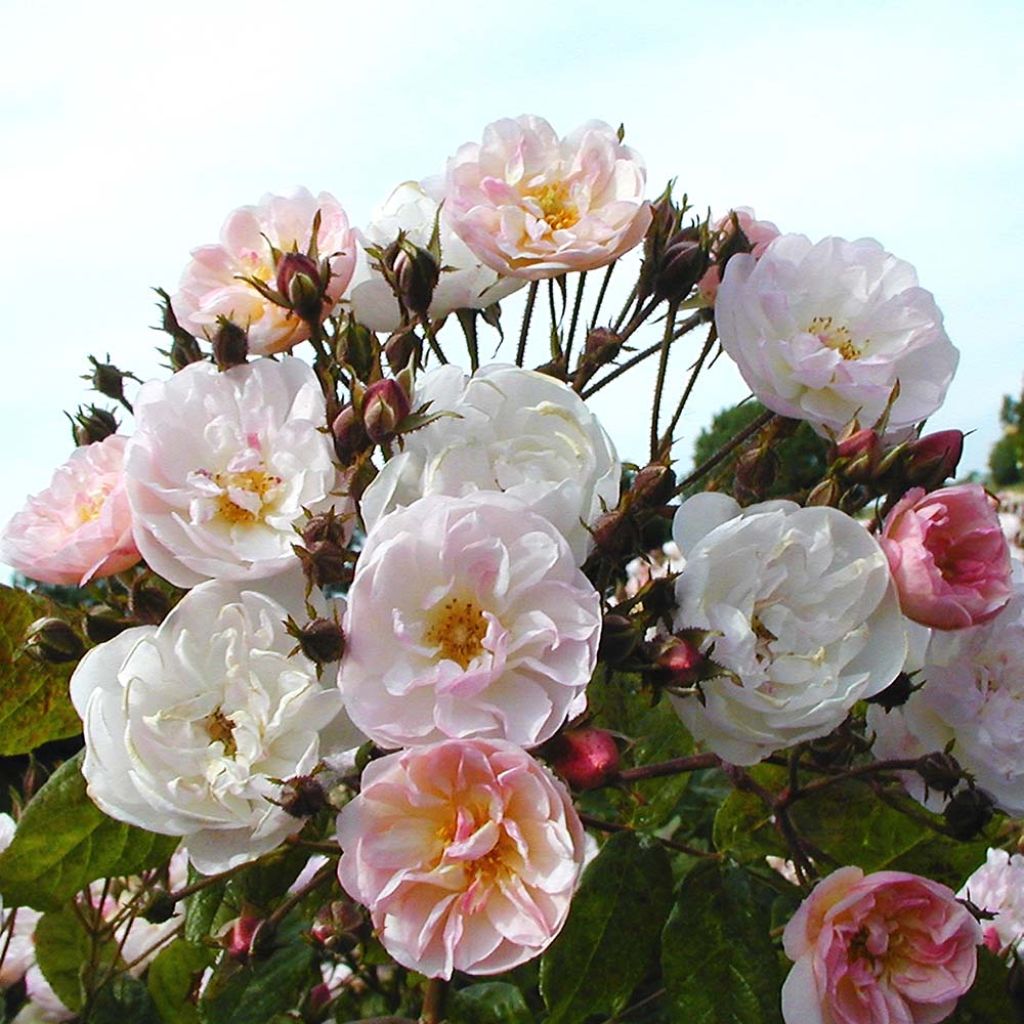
point(80, 527)
point(971, 695)
point(467, 853)
point(513, 430)
point(464, 282)
point(997, 887)
point(759, 233)
point(223, 464)
point(824, 332)
point(948, 556)
point(801, 617)
point(188, 724)
point(213, 284)
point(531, 205)
point(467, 617)
point(884, 948)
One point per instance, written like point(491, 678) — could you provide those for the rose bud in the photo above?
point(619, 638)
point(148, 605)
point(103, 623)
point(335, 925)
point(385, 405)
point(324, 563)
point(400, 348)
point(967, 813)
point(303, 796)
point(53, 640)
point(349, 434)
point(326, 526)
point(679, 663)
point(683, 263)
point(585, 758)
point(107, 379)
point(610, 532)
point(653, 485)
point(322, 640)
point(413, 274)
point(159, 907)
point(92, 424)
point(825, 493)
point(230, 345)
point(860, 453)
point(239, 938)
point(299, 280)
point(895, 694)
point(933, 458)
point(940, 771)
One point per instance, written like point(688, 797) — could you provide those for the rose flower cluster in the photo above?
point(337, 569)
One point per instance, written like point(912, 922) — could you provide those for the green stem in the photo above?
point(575, 316)
point(524, 330)
point(726, 450)
point(596, 312)
point(659, 384)
point(433, 1002)
point(666, 439)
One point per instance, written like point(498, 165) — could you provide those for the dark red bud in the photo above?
point(399, 349)
point(303, 796)
point(585, 758)
point(683, 263)
point(680, 662)
point(230, 345)
point(933, 458)
point(239, 940)
point(53, 640)
point(610, 533)
point(349, 434)
point(940, 771)
point(653, 485)
point(322, 641)
point(384, 407)
point(91, 424)
point(299, 280)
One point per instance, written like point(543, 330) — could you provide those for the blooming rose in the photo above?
point(823, 333)
point(80, 527)
point(223, 464)
point(467, 617)
point(801, 616)
point(467, 853)
point(532, 205)
point(997, 887)
point(214, 285)
point(948, 556)
point(514, 430)
point(464, 284)
point(20, 952)
point(972, 695)
point(188, 724)
point(885, 948)
point(759, 233)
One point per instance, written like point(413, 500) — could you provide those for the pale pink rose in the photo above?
point(467, 617)
point(997, 887)
point(948, 556)
point(466, 852)
point(80, 527)
point(213, 283)
point(885, 948)
point(531, 205)
point(758, 232)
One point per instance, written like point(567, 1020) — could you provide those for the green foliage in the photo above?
point(490, 1002)
point(611, 936)
point(34, 703)
point(1004, 461)
point(172, 978)
point(718, 960)
point(988, 1001)
point(802, 458)
point(124, 999)
point(64, 842)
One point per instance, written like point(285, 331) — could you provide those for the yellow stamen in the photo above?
point(457, 629)
point(255, 481)
point(90, 510)
point(834, 336)
point(553, 199)
point(220, 728)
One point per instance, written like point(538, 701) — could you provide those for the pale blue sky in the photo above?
point(130, 131)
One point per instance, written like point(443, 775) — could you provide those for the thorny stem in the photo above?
point(677, 766)
point(575, 316)
point(614, 826)
point(435, 347)
point(203, 883)
point(659, 384)
point(895, 764)
point(600, 295)
point(270, 923)
point(666, 439)
point(524, 330)
point(625, 309)
point(726, 450)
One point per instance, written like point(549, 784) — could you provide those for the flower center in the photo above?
point(221, 729)
point(90, 509)
point(553, 200)
point(834, 336)
point(244, 494)
point(457, 629)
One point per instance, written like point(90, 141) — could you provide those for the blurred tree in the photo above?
point(1007, 455)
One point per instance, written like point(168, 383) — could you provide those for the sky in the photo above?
point(131, 130)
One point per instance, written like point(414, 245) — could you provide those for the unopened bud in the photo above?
point(368, 752)
point(184, 351)
point(159, 907)
point(300, 282)
point(107, 379)
point(931, 459)
point(683, 263)
point(827, 492)
point(385, 405)
point(400, 348)
point(325, 564)
point(413, 274)
point(653, 485)
point(92, 424)
point(585, 758)
point(148, 605)
point(679, 663)
point(967, 813)
point(896, 694)
point(619, 638)
point(327, 526)
point(53, 640)
point(611, 533)
point(350, 438)
point(940, 771)
point(322, 640)
point(755, 473)
point(103, 623)
point(303, 796)
point(239, 939)
point(335, 925)
point(602, 345)
point(860, 454)
point(230, 345)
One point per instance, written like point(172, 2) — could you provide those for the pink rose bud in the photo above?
point(349, 435)
point(299, 280)
point(384, 407)
point(948, 556)
point(240, 936)
point(885, 948)
point(680, 663)
point(585, 758)
point(934, 458)
point(862, 451)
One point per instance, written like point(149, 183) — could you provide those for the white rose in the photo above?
point(222, 465)
point(466, 284)
point(823, 332)
point(516, 431)
point(972, 695)
point(801, 612)
point(998, 888)
point(467, 617)
point(187, 724)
